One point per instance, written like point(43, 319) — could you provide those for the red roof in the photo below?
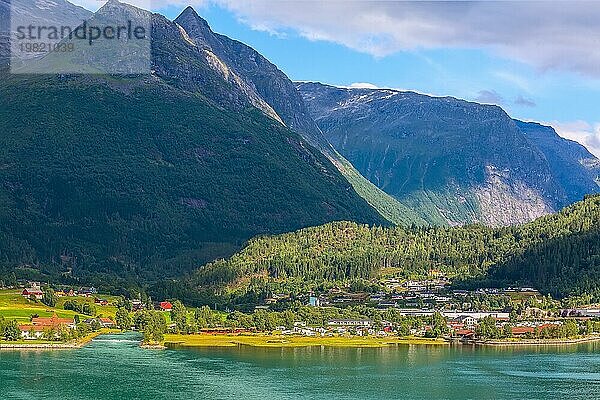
point(464, 332)
point(522, 330)
point(106, 320)
point(29, 328)
point(165, 305)
point(28, 292)
point(52, 321)
point(544, 326)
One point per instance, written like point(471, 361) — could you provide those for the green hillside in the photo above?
point(133, 178)
point(559, 253)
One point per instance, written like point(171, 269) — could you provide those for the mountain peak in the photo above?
point(191, 16)
point(116, 7)
point(189, 11)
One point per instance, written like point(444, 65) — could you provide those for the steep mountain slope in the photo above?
point(273, 92)
point(150, 176)
point(572, 164)
point(453, 161)
point(559, 253)
point(260, 75)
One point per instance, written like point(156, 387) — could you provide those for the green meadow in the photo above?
point(15, 306)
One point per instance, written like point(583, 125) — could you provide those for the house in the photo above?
point(88, 292)
point(137, 305)
point(39, 325)
point(350, 323)
point(464, 333)
point(467, 321)
point(102, 302)
point(31, 332)
point(165, 306)
point(35, 292)
point(53, 322)
point(519, 331)
point(107, 323)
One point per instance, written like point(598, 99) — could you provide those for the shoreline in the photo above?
point(33, 345)
point(276, 341)
point(536, 342)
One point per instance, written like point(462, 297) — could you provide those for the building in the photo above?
point(519, 331)
point(31, 332)
point(102, 302)
point(88, 291)
point(467, 321)
point(53, 322)
point(314, 301)
point(39, 325)
point(165, 306)
point(33, 291)
point(464, 334)
point(107, 323)
point(350, 323)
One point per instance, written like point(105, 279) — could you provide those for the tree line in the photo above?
point(559, 253)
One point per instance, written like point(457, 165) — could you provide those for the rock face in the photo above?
point(259, 75)
point(572, 164)
point(44, 12)
point(39, 13)
point(252, 80)
point(454, 161)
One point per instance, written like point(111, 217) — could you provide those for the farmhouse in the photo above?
point(107, 323)
point(34, 291)
point(53, 322)
point(38, 326)
point(31, 332)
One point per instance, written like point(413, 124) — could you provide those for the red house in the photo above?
point(32, 292)
point(166, 306)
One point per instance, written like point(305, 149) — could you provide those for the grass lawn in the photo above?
point(259, 340)
point(15, 306)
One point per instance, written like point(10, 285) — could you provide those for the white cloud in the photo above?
point(582, 132)
point(545, 34)
point(363, 85)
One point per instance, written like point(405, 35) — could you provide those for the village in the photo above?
point(508, 313)
point(405, 308)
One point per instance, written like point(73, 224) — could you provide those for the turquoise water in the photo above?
point(114, 367)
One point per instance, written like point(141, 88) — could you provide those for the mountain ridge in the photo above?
point(151, 175)
point(452, 160)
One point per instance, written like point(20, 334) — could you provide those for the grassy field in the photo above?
point(15, 306)
point(259, 340)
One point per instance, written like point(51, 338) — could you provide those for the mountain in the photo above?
point(453, 161)
point(572, 164)
point(41, 13)
point(141, 177)
point(269, 89)
point(558, 254)
point(4, 33)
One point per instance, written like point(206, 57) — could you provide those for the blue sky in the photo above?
point(541, 68)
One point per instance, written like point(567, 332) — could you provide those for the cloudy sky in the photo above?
point(540, 60)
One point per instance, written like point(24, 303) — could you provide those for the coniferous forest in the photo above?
point(558, 254)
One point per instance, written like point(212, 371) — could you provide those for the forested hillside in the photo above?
point(132, 178)
point(558, 253)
